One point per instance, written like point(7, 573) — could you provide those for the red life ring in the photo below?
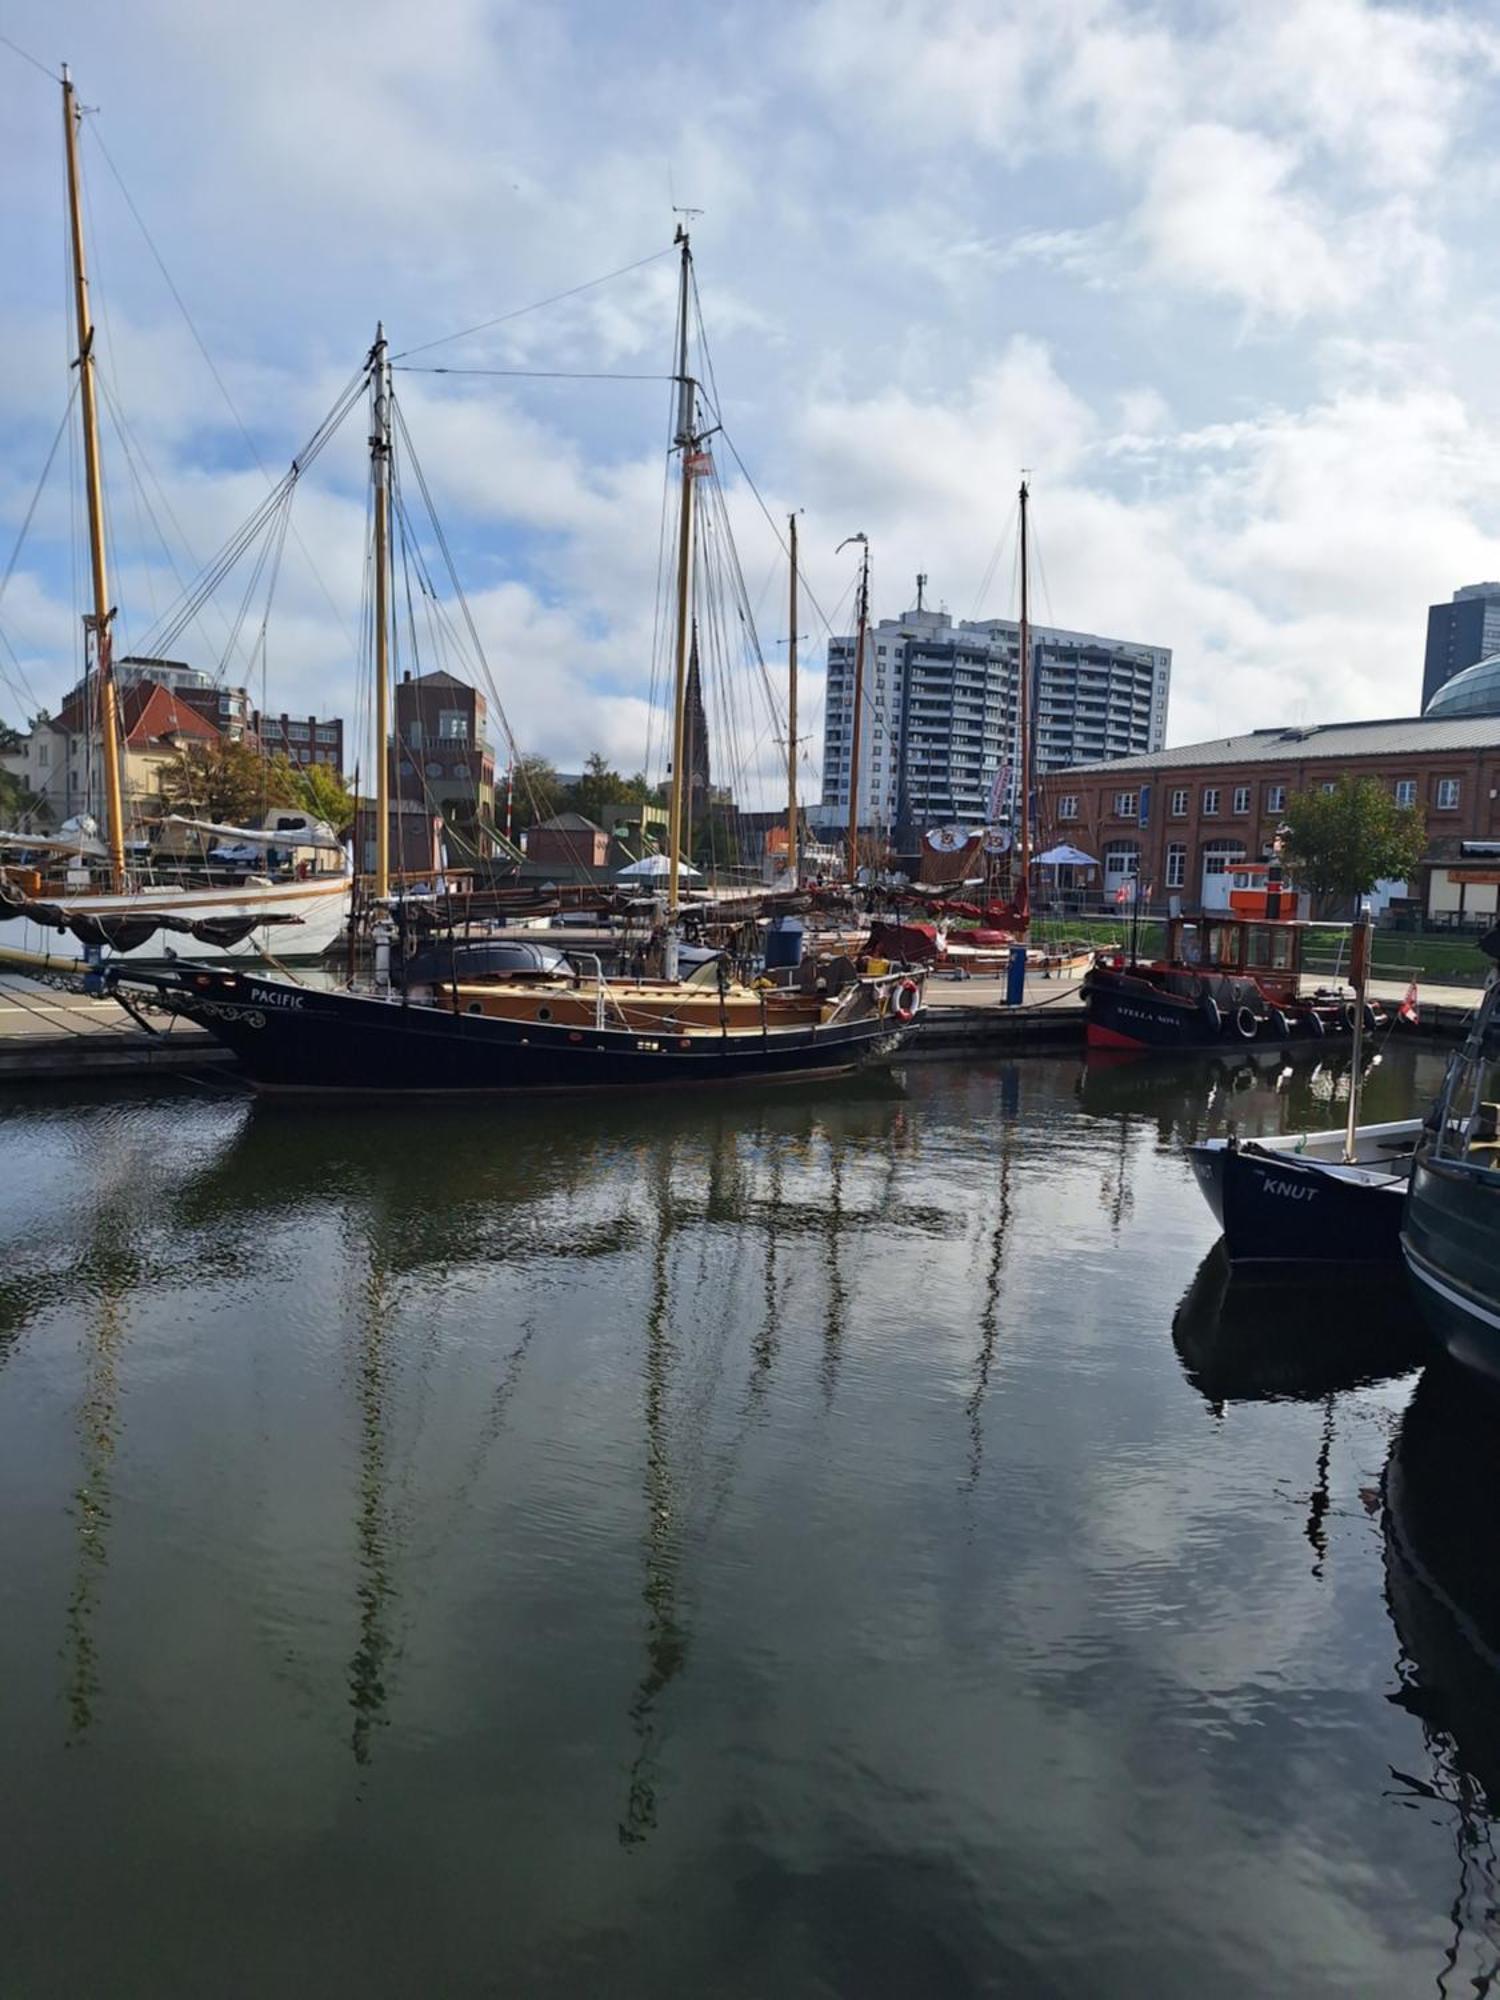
point(904, 1005)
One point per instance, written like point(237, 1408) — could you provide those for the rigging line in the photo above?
point(537, 374)
point(442, 542)
point(130, 443)
point(208, 360)
point(16, 50)
point(234, 548)
point(519, 312)
point(15, 554)
point(806, 587)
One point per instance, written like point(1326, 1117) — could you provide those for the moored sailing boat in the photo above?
point(565, 1028)
point(101, 907)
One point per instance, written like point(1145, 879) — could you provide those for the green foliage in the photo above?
point(10, 738)
point(228, 781)
point(599, 788)
point(538, 792)
point(1341, 843)
point(319, 789)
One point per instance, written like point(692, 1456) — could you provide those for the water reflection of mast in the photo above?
point(666, 1641)
point(98, 1433)
point(367, 1667)
point(989, 1318)
point(838, 1297)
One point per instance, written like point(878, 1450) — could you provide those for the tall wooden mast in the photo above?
point(1025, 840)
point(791, 714)
point(687, 444)
point(98, 621)
point(380, 469)
point(859, 703)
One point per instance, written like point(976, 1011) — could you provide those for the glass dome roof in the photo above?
point(1476, 691)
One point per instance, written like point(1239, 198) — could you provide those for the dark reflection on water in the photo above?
point(855, 1541)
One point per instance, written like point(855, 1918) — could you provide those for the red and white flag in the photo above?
point(1126, 890)
point(1410, 1010)
point(699, 464)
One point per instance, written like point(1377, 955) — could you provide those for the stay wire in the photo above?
point(555, 298)
point(208, 360)
point(15, 48)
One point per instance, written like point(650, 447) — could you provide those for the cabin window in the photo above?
point(1190, 945)
point(1179, 803)
point(1447, 794)
point(1210, 801)
point(1260, 947)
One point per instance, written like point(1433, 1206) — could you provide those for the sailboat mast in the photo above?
point(1025, 841)
point(98, 622)
point(380, 469)
point(791, 715)
point(859, 708)
point(686, 443)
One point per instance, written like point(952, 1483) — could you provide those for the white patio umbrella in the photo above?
point(655, 867)
point(1065, 857)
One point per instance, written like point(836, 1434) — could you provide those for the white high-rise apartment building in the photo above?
point(942, 713)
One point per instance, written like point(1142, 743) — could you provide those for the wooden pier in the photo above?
point(48, 1035)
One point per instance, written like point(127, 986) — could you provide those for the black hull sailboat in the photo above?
point(303, 1040)
point(1451, 1229)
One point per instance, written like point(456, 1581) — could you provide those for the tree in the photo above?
point(1339, 844)
point(537, 791)
point(600, 787)
point(319, 789)
point(227, 781)
point(10, 739)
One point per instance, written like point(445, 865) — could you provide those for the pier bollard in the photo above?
point(1015, 976)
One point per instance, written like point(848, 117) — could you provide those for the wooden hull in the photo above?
point(320, 905)
point(292, 1038)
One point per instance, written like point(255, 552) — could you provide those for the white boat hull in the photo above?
point(320, 905)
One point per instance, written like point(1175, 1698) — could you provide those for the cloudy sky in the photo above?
point(1221, 276)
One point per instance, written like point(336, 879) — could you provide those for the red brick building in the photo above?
point(1179, 818)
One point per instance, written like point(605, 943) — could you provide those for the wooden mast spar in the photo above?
point(791, 713)
point(380, 470)
point(1025, 693)
point(98, 621)
point(859, 701)
point(687, 444)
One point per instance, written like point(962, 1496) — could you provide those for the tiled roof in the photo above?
point(1405, 736)
point(148, 712)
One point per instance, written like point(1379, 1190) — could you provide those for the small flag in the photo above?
point(1123, 893)
point(1410, 1009)
point(700, 463)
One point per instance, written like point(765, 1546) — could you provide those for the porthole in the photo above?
point(475, 1008)
point(544, 1013)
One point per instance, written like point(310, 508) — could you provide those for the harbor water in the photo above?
point(852, 1541)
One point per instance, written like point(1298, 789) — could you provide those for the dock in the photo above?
point(50, 1035)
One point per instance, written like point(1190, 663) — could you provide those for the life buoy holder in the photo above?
point(904, 1001)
